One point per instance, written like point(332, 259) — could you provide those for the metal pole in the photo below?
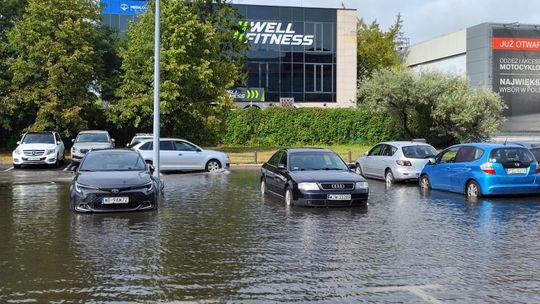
point(156, 91)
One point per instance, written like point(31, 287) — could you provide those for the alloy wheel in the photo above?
point(424, 182)
point(288, 197)
point(358, 170)
point(263, 187)
point(213, 166)
point(389, 177)
point(473, 189)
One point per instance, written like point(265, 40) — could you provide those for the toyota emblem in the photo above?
point(115, 191)
point(338, 186)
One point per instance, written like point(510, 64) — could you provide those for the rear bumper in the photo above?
point(511, 189)
point(404, 174)
point(358, 198)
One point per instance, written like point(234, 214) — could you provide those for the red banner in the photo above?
point(515, 44)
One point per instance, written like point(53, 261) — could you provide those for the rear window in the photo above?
point(419, 151)
point(504, 155)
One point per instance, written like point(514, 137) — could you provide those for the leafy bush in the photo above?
point(307, 126)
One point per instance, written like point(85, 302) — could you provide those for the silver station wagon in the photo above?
point(395, 161)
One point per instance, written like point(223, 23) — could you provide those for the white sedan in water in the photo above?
point(182, 155)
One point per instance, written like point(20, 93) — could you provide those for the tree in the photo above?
point(200, 61)
point(55, 65)
point(377, 49)
point(441, 108)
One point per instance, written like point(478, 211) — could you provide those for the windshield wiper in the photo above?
point(332, 169)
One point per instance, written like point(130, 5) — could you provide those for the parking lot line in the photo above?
point(67, 167)
point(8, 169)
point(416, 290)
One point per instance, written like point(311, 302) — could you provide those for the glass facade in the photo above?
point(292, 52)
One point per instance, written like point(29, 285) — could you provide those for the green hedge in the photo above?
point(307, 126)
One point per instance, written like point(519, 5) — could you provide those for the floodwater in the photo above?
point(215, 239)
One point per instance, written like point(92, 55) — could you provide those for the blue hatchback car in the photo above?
point(478, 169)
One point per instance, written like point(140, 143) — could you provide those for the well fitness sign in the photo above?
point(247, 94)
point(276, 33)
point(516, 74)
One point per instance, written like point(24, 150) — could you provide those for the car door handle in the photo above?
point(179, 154)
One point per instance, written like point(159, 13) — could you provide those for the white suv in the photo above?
point(39, 148)
point(88, 140)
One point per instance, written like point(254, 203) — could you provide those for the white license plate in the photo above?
point(115, 200)
point(339, 197)
point(516, 171)
point(34, 158)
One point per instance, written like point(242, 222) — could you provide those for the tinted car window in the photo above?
point(419, 151)
point(184, 146)
point(467, 154)
point(504, 155)
point(448, 156)
point(274, 159)
point(376, 150)
point(388, 150)
point(147, 146)
point(92, 137)
point(283, 159)
point(316, 161)
point(39, 138)
point(166, 145)
point(536, 153)
point(113, 161)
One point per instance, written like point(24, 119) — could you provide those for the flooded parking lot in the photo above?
point(215, 239)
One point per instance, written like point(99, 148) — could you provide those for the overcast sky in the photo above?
point(425, 19)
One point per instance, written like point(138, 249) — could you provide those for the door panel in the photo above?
point(187, 157)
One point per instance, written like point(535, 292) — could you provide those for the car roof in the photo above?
point(489, 145)
point(400, 144)
point(39, 132)
point(307, 149)
point(94, 131)
point(144, 140)
point(527, 144)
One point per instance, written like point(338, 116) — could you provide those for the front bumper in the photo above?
point(92, 201)
point(34, 160)
point(76, 157)
point(320, 199)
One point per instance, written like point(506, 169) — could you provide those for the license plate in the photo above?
point(115, 200)
point(516, 171)
point(339, 197)
point(34, 158)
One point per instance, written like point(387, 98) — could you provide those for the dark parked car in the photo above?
point(313, 177)
point(113, 180)
point(533, 146)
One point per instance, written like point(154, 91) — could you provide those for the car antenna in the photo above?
point(505, 141)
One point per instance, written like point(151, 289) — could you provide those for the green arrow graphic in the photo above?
point(256, 93)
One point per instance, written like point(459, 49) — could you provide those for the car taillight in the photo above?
point(488, 168)
point(404, 163)
point(536, 169)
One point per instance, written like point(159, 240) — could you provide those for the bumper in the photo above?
point(76, 158)
point(511, 189)
point(92, 202)
point(38, 160)
point(358, 198)
point(404, 174)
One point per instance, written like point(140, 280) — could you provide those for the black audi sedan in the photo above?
point(313, 177)
point(113, 180)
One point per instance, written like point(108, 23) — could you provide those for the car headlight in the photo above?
point(149, 187)
point(17, 152)
point(79, 187)
point(362, 185)
point(50, 151)
point(74, 150)
point(308, 186)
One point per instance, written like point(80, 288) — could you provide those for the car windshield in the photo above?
point(316, 161)
point(92, 137)
point(38, 138)
point(112, 161)
point(536, 153)
point(419, 151)
point(505, 155)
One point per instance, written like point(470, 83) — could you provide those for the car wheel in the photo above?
point(472, 190)
point(263, 186)
point(358, 170)
point(424, 182)
point(389, 177)
point(57, 163)
point(288, 197)
point(213, 165)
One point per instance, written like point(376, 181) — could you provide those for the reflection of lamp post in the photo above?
point(156, 92)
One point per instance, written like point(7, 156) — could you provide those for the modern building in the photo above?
point(300, 55)
point(502, 57)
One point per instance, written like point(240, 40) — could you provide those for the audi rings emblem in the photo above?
point(338, 186)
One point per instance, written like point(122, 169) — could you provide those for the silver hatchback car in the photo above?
point(395, 161)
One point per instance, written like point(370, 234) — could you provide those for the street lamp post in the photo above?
point(156, 91)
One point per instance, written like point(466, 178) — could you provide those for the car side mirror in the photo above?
point(73, 140)
point(151, 168)
point(198, 150)
point(58, 142)
point(18, 143)
point(352, 166)
point(112, 139)
point(282, 167)
point(431, 161)
point(366, 153)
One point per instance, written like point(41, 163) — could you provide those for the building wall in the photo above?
point(346, 58)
